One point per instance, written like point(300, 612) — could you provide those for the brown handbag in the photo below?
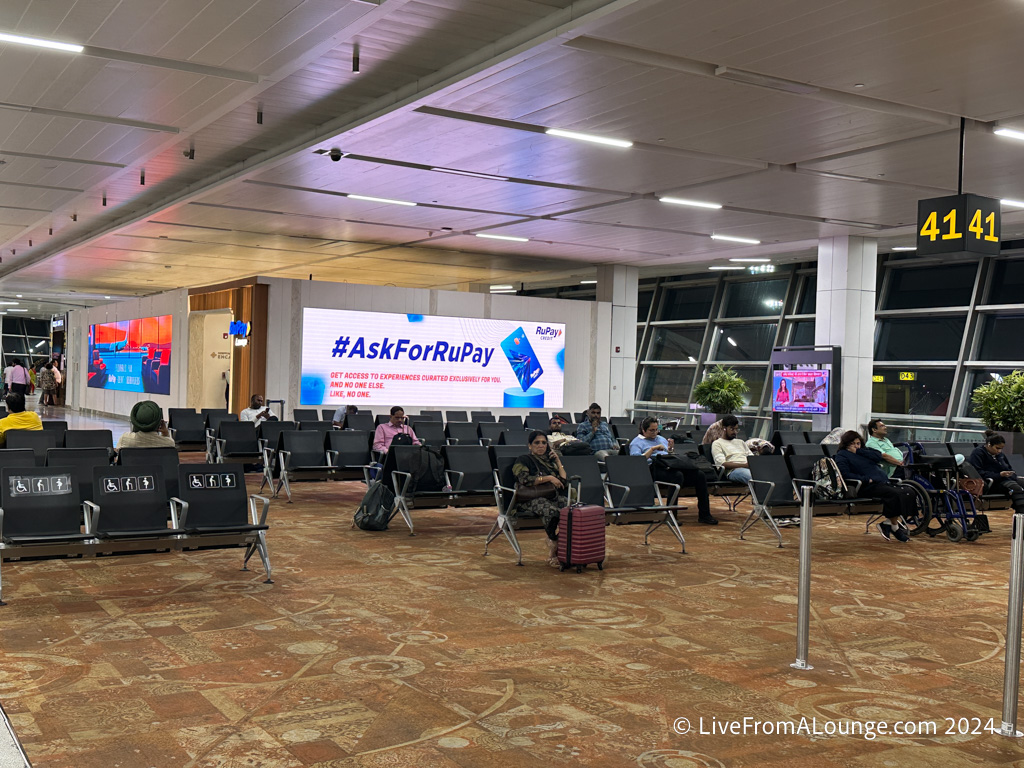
point(539, 491)
point(973, 485)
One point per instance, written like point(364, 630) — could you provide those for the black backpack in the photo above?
point(374, 510)
point(701, 464)
point(576, 448)
point(427, 470)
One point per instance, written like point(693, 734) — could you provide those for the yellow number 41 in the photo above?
point(977, 230)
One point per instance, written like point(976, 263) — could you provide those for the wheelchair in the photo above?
point(952, 510)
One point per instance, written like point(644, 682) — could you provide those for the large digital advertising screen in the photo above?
point(800, 391)
point(131, 355)
point(375, 358)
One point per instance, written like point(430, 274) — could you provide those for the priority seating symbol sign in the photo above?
point(50, 485)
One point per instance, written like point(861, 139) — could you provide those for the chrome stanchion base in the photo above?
point(798, 664)
point(1010, 730)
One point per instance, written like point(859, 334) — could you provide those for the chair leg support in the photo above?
point(673, 525)
point(760, 512)
point(261, 547)
point(503, 526)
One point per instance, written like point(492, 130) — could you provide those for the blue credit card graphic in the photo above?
point(522, 357)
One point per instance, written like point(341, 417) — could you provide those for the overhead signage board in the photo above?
point(958, 224)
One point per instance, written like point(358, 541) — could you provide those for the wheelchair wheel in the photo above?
point(919, 521)
point(954, 531)
point(972, 535)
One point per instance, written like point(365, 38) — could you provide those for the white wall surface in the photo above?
point(120, 403)
point(588, 330)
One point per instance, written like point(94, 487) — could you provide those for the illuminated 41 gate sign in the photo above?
point(958, 224)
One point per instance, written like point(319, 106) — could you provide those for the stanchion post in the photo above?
point(1011, 670)
point(803, 608)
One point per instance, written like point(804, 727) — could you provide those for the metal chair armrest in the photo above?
point(609, 484)
point(452, 441)
point(253, 498)
point(675, 493)
point(456, 486)
point(332, 458)
point(283, 457)
point(91, 516)
point(179, 511)
point(753, 494)
point(485, 441)
point(400, 481)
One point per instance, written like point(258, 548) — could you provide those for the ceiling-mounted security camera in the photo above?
point(336, 154)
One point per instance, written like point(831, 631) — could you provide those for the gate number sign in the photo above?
point(958, 224)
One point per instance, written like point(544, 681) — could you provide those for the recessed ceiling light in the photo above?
point(379, 200)
point(17, 295)
point(751, 260)
point(858, 85)
point(40, 43)
point(905, 248)
point(1009, 133)
point(622, 144)
point(732, 239)
point(10, 303)
point(106, 297)
point(722, 269)
point(471, 174)
point(502, 288)
point(588, 282)
point(729, 339)
point(17, 310)
point(691, 203)
point(1013, 203)
point(504, 237)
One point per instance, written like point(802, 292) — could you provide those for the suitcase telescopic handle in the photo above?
point(579, 490)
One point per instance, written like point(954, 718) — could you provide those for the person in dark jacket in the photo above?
point(864, 464)
point(992, 464)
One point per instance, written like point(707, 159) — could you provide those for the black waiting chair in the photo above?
point(301, 456)
point(462, 433)
point(430, 416)
point(620, 421)
point(174, 413)
point(455, 416)
point(215, 511)
point(165, 458)
point(348, 451)
point(362, 422)
point(131, 503)
point(804, 449)
point(82, 462)
point(327, 414)
point(397, 471)
point(512, 421)
point(964, 449)
point(590, 483)
point(188, 429)
point(630, 488)
point(469, 472)
point(515, 437)
point(37, 440)
point(17, 457)
point(815, 437)
point(771, 490)
point(537, 420)
point(41, 514)
point(490, 432)
point(935, 449)
point(481, 416)
point(507, 522)
point(58, 428)
point(306, 414)
point(381, 418)
point(563, 415)
point(430, 433)
point(269, 434)
point(89, 438)
point(237, 442)
point(500, 452)
point(318, 426)
point(218, 417)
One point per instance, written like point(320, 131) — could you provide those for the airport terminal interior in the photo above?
point(239, 220)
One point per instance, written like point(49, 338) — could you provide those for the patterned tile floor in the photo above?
point(380, 649)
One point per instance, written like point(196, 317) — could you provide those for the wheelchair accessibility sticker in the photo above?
point(128, 484)
point(211, 481)
point(54, 485)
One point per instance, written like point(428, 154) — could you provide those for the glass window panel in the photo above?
point(809, 300)
point(1007, 283)
point(13, 325)
point(677, 344)
point(39, 347)
point(755, 299)
point(644, 299)
point(974, 380)
point(755, 383)
point(15, 345)
point(691, 303)
point(938, 286)
point(925, 338)
point(667, 384)
point(745, 343)
point(927, 395)
point(37, 327)
point(1001, 338)
point(803, 334)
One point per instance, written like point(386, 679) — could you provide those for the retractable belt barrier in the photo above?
point(1011, 670)
point(803, 608)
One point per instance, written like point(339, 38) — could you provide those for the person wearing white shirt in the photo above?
point(730, 452)
point(256, 411)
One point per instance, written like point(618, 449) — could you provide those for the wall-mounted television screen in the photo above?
point(800, 391)
point(131, 355)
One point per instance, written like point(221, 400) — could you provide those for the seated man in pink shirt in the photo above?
point(386, 432)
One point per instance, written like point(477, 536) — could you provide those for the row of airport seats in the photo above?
point(930, 449)
point(81, 506)
point(55, 434)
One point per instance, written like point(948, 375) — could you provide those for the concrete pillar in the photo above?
point(618, 285)
point(845, 317)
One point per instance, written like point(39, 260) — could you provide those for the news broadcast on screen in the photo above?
point(383, 359)
point(800, 391)
point(131, 355)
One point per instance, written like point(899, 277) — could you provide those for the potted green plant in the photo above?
point(721, 392)
point(1000, 405)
